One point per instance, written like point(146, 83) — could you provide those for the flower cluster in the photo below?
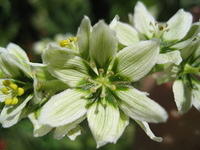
point(92, 77)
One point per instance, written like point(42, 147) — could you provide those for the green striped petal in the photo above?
point(61, 131)
point(63, 108)
point(178, 26)
point(103, 44)
point(125, 33)
point(138, 106)
point(83, 37)
point(38, 129)
point(103, 122)
point(182, 96)
point(143, 20)
point(136, 61)
point(170, 57)
point(196, 96)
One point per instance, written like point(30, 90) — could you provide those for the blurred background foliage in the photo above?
point(27, 21)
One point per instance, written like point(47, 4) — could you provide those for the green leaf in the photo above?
point(143, 20)
point(136, 61)
point(182, 96)
point(178, 26)
point(103, 122)
point(138, 106)
point(63, 108)
point(103, 44)
point(83, 37)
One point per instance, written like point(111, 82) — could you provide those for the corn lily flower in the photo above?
point(15, 84)
point(100, 81)
point(169, 33)
point(186, 87)
point(23, 85)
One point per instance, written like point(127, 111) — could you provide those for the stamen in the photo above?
point(8, 101)
point(6, 82)
point(5, 90)
point(15, 101)
point(13, 86)
point(20, 91)
point(68, 42)
point(64, 43)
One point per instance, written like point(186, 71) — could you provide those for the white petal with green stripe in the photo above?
point(178, 26)
point(126, 34)
point(143, 20)
point(63, 108)
point(170, 57)
point(103, 122)
point(182, 96)
point(136, 61)
point(103, 44)
point(38, 129)
point(138, 106)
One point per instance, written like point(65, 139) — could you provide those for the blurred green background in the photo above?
point(27, 21)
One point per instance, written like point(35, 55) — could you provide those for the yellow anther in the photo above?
point(73, 39)
point(20, 91)
point(13, 86)
point(64, 43)
point(14, 101)
point(8, 101)
point(6, 82)
point(5, 90)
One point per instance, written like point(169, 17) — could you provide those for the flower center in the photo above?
point(159, 28)
point(69, 43)
point(12, 92)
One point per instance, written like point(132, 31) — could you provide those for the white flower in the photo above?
point(100, 80)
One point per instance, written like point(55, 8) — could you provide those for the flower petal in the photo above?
point(72, 72)
point(55, 56)
point(196, 96)
point(144, 125)
point(178, 26)
point(126, 34)
point(123, 123)
point(103, 122)
point(11, 120)
point(61, 131)
point(38, 129)
point(138, 106)
point(63, 108)
point(135, 61)
point(170, 57)
point(104, 42)
point(8, 65)
point(143, 20)
point(83, 37)
point(72, 134)
point(182, 96)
